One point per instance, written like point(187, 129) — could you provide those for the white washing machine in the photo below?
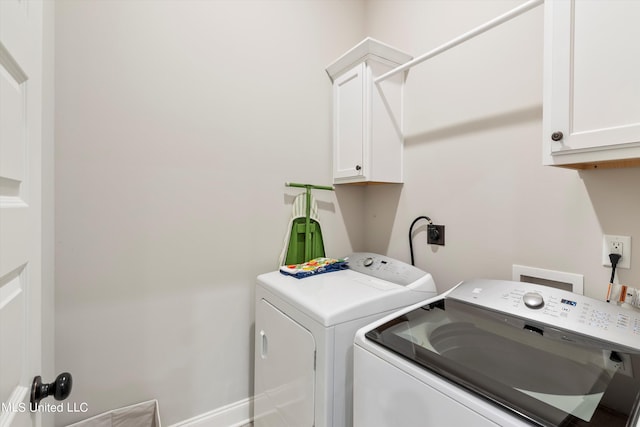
point(500, 353)
point(304, 336)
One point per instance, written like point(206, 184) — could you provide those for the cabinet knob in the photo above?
point(358, 167)
point(557, 136)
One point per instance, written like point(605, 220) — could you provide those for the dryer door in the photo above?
point(284, 370)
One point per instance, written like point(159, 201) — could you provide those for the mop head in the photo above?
point(314, 266)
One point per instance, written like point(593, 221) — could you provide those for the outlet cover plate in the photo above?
point(440, 239)
point(607, 241)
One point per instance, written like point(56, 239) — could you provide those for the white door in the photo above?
point(592, 88)
point(20, 208)
point(284, 370)
point(348, 125)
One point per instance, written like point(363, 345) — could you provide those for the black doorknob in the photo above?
point(60, 389)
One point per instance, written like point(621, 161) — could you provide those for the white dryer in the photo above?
point(304, 335)
point(500, 353)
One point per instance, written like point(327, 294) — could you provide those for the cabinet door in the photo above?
point(348, 123)
point(592, 89)
point(284, 370)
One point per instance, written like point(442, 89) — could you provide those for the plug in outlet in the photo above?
point(435, 234)
point(621, 362)
point(616, 245)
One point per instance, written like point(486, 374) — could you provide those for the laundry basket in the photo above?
point(145, 414)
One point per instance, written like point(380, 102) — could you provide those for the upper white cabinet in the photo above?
point(591, 83)
point(367, 117)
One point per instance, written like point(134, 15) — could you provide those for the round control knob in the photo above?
point(368, 262)
point(533, 300)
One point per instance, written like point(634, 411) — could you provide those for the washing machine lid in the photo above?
point(547, 375)
point(373, 284)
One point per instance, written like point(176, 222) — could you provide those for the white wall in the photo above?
point(177, 124)
point(473, 156)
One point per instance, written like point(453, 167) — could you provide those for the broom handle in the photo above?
point(310, 186)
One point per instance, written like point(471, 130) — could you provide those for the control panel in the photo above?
point(385, 268)
point(554, 307)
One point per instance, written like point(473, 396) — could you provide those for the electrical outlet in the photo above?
point(616, 245)
point(435, 234)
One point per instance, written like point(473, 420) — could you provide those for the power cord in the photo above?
point(614, 258)
point(410, 232)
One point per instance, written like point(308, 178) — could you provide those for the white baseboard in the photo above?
point(233, 415)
